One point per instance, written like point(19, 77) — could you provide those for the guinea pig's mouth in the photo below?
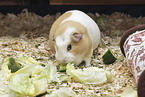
point(62, 61)
point(65, 61)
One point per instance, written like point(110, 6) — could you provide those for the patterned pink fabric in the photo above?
point(134, 48)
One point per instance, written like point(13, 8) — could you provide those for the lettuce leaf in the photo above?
point(68, 92)
point(25, 61)
point(91, 75)
point(129, 92)
point(51, 72)
point(31, 80)
point(6, 72)
point(22, 84)
point(4, 90)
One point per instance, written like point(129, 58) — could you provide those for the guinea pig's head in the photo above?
point(70, 44)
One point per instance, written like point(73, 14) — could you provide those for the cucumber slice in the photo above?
point(12, 65)
point(108, 57)
point(62, 68)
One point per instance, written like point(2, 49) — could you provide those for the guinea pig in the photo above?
point(74, 36)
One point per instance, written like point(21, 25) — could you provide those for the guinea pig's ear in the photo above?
point(77, 37)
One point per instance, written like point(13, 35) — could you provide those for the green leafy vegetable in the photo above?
point(101, 21)
point(12, 65)
point(129, 92)
point(91, 75)
point(23, 84)
point(51, 72)
point(67, 92)
point(25, 61)
point(108, 57)
point(31, 80)
point(62, 68)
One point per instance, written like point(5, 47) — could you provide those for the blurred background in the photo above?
point(134, 8)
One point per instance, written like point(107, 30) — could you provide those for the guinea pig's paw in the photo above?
point(87, 62)
point(88, 65)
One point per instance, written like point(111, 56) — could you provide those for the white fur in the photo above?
point(89, 23)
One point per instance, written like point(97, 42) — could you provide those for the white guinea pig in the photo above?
point(74, 36)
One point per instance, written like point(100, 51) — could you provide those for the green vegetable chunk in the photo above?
point(101, 21)
point(62, 68)
point(12, 65)
point(108, 57)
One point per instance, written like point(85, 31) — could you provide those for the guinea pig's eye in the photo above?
point(69, 47)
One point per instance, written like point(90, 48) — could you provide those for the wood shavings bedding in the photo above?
point(38, 48)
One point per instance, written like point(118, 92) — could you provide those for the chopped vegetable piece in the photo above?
point(129, 92)
point(108, 57)
point(31, 80)
point(12, 65)
point(62, 68)
point(24, 61)
point(101, 21)
point(67, 92)
point(91, 75)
